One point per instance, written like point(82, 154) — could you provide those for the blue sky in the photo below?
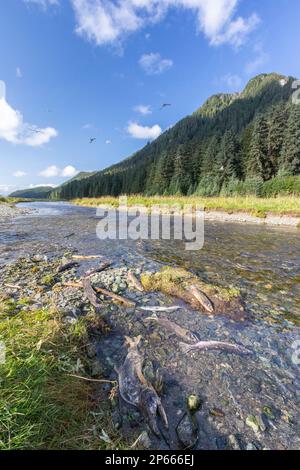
point(76, 69)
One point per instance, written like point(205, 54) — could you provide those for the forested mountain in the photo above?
point(233, 143)
point(44, 192)
point(40, 192)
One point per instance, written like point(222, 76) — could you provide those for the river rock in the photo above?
point(252, 422)
point(193, 403)
point(234, 443)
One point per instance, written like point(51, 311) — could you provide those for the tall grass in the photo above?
point(41, 406)
point(280, 205)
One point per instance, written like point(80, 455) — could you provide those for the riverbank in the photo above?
point(8, 210)
point(284, 210)
point(50, 395)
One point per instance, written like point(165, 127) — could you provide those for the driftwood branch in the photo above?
point(107, 293)
point(91, 294)
point(102, 266)
point(87, 257)
point(11, 286)
point(66, 266)
point(118, 298)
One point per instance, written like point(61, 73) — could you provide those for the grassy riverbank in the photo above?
point(12, 200)
point(41, 405)
point(261, 207)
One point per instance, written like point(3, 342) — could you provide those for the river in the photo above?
point(263, 261)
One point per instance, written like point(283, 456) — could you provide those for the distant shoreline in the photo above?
point(239, 210)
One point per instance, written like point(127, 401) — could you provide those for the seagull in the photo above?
point(92, 139)
point(164, 105)
point(32, 129)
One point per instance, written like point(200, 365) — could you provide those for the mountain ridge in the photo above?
point(232, 139)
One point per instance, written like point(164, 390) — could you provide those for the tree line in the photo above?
point(234, 144)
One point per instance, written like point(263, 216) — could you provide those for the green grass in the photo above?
point(260, 207)
point(12, 200)
point(41, 406)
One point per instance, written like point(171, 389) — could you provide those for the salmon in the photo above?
point(136, 390)
point(174, 328)
point(202, 298)
point(214, 346)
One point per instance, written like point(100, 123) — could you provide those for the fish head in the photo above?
point(149, 407)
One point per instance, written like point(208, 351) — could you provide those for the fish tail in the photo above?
point(185, 347)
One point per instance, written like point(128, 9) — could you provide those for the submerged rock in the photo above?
point(252, 422)
point(187, 432)
point(193, 403)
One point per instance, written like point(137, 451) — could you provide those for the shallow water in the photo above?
point(263, 261)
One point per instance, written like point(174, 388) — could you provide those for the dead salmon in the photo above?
point(214, 346)
point(149, 308)
point(202, 298)
point(174, 328)
point(136, 390)
point(150, 406)
point(130, 372)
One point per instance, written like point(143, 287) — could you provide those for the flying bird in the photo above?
point(164, 105)
point(37, 131)
point(92, 139)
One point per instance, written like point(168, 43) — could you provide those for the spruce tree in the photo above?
point(278, 122)
point(259, 162)
point(291, 149)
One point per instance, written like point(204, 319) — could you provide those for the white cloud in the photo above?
point(260, 59)
point(108, 142)
point(2, 89)
point(232, 81)
point(236, 31)
point(19, 72)
point(87, 126)
point(13, 129)
point(108, 22)
point(69, 171)
point(153, 64)
point(31, 186)
point(19, 174)
point(50, 172)
point(39, 137)
point(144, 132)
point(53, 171)
point(142, 109)
point(7, 188)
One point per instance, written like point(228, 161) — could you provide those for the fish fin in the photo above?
point(185, 347)
point(132, 342)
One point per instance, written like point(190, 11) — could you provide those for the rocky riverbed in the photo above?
point(243, 402)
point(11, 210)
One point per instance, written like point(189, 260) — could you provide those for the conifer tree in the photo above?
point(260, 164)
point(291, 149)
point(278, 122)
